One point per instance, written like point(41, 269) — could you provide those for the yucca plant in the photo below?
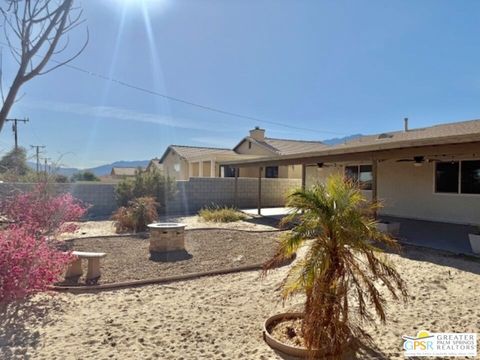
point(342, 265)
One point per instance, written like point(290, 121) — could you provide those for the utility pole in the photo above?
point(15, 128)
point(38, 147)
point(46, 165)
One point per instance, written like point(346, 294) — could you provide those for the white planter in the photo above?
point(475, 242)
point(390, 228)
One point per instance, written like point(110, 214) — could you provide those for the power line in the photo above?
point(186, 102)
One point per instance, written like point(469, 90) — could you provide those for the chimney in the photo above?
point(257, 134)
point(405, 124)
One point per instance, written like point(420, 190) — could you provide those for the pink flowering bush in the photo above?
point(42, 213)
point(30, 260)
point(28, 264)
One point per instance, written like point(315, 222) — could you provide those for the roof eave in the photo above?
point(338, 150)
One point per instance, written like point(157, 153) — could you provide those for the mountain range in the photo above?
point(103, 170)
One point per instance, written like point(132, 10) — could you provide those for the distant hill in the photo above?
point(107, 168)
point(336, 141)
point(99, 170)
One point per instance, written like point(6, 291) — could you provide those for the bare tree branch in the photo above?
point(33, 30)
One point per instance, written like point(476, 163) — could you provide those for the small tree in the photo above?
point(15, 162)
point(146, 184)
point(342, 262)
point(85, 176)
point(36, 30)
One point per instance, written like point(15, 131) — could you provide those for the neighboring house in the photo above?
point(430, 173)
point(123, 172)
point(183, 162)
point(155, 164)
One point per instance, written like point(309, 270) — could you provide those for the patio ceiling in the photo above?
point(369, 153)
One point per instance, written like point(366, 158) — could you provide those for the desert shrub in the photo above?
point(146, 184)
point(136, 216)
point(84, 176)
point(29, 264)
point(224, 214)
point(29, 258)
point(41, 212)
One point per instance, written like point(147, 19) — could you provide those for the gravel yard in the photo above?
point(128, 257)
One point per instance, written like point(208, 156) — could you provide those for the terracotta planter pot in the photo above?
point(277, 344)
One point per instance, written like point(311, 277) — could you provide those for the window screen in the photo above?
point(471, 177)
point(446, 177)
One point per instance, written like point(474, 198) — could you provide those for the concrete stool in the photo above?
point(74, 271)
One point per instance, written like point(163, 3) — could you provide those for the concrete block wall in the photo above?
point(191, 196)
point(200, 192)
point(100, 197)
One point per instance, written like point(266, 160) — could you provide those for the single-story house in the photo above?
point(155, 164)
point(430, 173)
point(123, 172)
point(183, 162)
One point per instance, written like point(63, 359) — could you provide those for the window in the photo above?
point(271, 172)
point(249, 144)
point(361, 174)
point(470, 177)
point(365, 177)
point(228, 171)
point(458, 177)
point(351, 173)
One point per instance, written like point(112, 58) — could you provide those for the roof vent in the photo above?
point(385, 136)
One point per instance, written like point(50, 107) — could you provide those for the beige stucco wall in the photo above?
point(169, 166)
point(254, 150)
point(408, 191)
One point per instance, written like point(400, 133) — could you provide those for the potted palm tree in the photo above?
point(475, 240)
point(342, 264)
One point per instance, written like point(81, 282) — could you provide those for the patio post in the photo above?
point(235, 191)
point(200, 168)
point(304, 176)
point(212, 169)
point(259, 200)
point(374, 184)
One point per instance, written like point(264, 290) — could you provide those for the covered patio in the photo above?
point(426, 179)
point(436, 235)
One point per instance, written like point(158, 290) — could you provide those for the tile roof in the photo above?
point(427, 133)
point(188, 152)
point(124, 171)
point(288, 147)
point(451, 133)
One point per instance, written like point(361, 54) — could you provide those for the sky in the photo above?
point(322, 68)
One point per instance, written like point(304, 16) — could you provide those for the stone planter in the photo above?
point(277, 345)
point(390, 228)
point(475, 242)
point(167, 237)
